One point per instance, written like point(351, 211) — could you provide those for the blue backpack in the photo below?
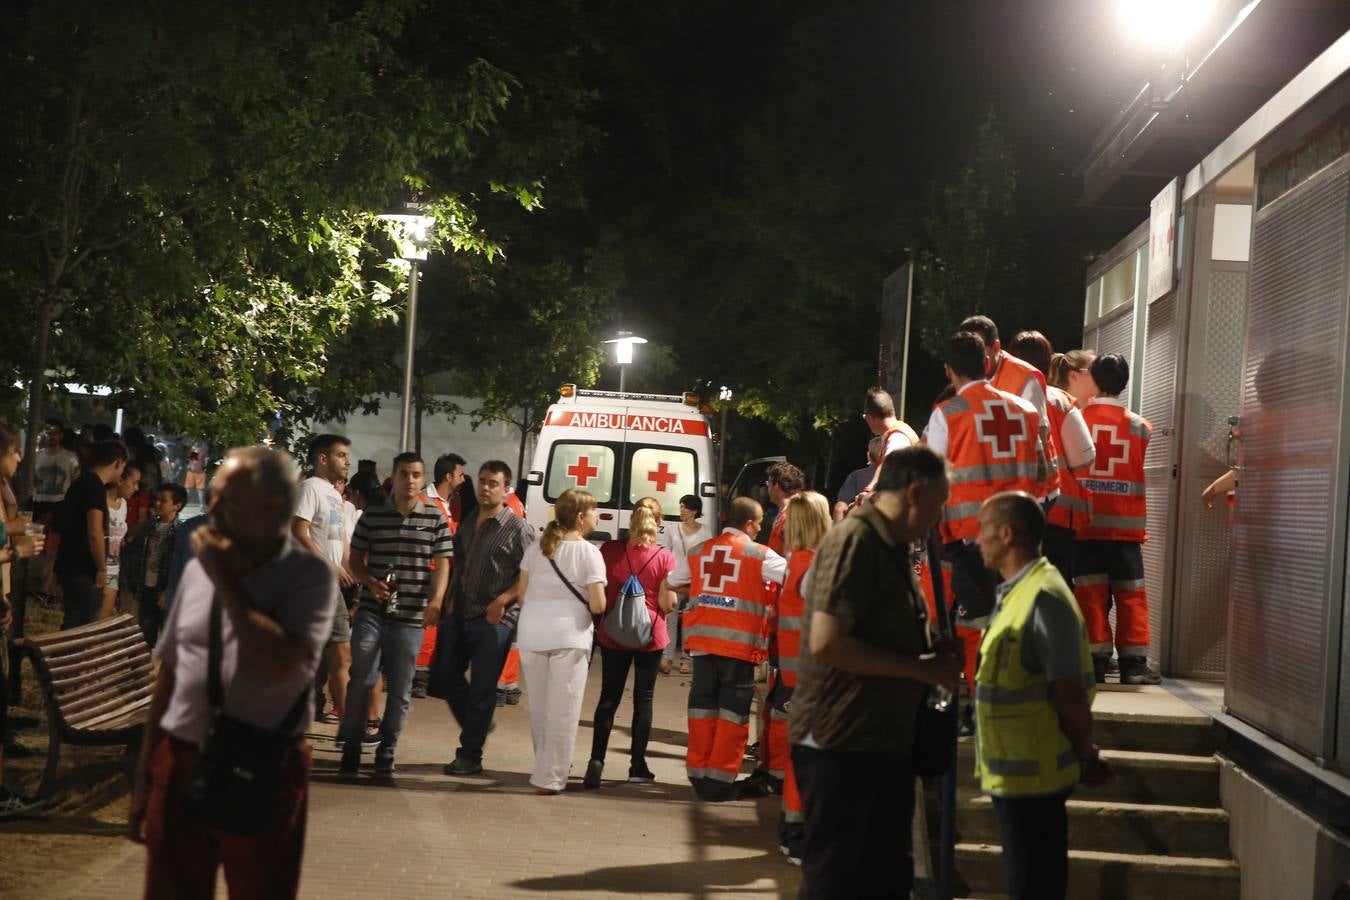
point(629, 623)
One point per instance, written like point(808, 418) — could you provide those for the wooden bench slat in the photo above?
point(100, 690)
point(89, 716)
point(132, 672)
point(123, 717)
point(94, 656)
point(54, 640)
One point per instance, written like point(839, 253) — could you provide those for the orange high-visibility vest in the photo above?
point(886, 439)
point(993, 446)
point(1071, 510)
point(1116, 479)
point(791, 610)
point(1012, 374)
point(730, 612)
point(776, 533)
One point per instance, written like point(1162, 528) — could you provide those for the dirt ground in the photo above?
point(40, 852)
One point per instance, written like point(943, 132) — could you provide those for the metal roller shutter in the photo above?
point(1157, 405)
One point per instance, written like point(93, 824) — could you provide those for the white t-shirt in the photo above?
point(117, 533)
point(679, 544)
point(321, 506)
point(55, 472)
point(551, 617)
point(349, 516)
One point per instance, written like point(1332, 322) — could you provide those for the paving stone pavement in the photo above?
point(428, 835)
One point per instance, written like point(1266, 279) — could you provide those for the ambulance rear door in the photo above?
point(667, 458)
point(591, 459)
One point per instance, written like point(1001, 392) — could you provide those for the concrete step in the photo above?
point(1107, 876)
point(1171, 779)
point(1183, 735)
point(1112, 826)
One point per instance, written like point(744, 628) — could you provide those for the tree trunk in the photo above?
point(37, 395)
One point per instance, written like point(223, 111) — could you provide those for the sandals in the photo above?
point(685, 668)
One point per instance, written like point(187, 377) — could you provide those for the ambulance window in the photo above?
point(666, 473)
point(589, 467)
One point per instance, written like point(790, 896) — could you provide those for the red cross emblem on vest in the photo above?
point(1111, 449)
point(1000, 430)
point(582, 471)
point(662, 477)
point(719, 568)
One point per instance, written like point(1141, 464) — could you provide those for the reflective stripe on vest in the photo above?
point(730, 611)
point(1020, 748)
point(1116, 479)
point(993, 443)
point(1072, 509)
point(791, 615)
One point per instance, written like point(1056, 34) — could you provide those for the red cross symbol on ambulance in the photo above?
point(582, 471)
point(1000, 430)
point(662, 477)
point(1111, 449)
point(719, 569)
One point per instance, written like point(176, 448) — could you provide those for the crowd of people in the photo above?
point(322, 598)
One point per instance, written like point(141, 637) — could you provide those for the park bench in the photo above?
point(96, 683)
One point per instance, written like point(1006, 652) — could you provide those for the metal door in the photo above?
point(1290, 536)
point(1157, 404)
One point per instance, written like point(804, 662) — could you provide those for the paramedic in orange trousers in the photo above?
point(860, 683)
point(1109, 561)
point(993, 442)
point(726, 633)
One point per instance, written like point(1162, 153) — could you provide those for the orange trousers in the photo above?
point(510, 670)
point(720, 697)
point(970, 637)
point(1112, 572)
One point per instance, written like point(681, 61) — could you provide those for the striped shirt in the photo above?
point(406, 545)
point(489, 562)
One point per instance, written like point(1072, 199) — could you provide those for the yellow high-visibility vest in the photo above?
point(1020, 749)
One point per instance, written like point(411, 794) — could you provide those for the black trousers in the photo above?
point(972, 583)
point(1058, 547)
point(613, 678)
point(859, 810)
point(1035, 836)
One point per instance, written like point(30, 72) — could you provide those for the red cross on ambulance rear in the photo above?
point(662, 477)
point(582, 471)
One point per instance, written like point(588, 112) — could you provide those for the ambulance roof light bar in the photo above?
point(571, 392)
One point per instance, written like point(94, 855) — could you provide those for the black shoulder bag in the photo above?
point(570, 586)
point(237, 781)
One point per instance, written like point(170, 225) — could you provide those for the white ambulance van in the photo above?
point(621, 448)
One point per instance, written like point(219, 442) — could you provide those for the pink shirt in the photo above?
point(652, 565)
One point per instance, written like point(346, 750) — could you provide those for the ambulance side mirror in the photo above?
point(534, 478)
point(707, 489)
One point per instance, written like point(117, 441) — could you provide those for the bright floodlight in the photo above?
point(623, 346)
point(724, 393)
point(414, 229)
point(1163, 24)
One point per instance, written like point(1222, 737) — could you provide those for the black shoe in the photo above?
point(1100, 665)
point(1135, 670)
point(350, 765)
point(640, 775)
point(593, 770)
point(384, 767)
point(751, 788)
point(752, 751)
point(967, 727)
point(513, 697)
point(501, 697)
point(419, 685)
point(462, 766)
point(713, 791)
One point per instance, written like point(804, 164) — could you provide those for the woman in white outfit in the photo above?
point(562, 584)
point(679, 540)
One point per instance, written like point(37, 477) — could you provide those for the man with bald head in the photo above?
point(1033, 699)
point(266, 603)
point(726, 631)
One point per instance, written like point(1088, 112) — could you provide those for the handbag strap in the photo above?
point(215, 688)
point(571, 587)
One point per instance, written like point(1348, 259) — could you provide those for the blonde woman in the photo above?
point(1070, 373)
point(642, 556)
point(807, 523)
point(562, 584)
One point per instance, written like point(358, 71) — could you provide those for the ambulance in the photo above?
point(621, 448)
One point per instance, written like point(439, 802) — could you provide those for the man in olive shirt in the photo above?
point(860, 684)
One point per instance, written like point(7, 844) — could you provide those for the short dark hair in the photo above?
point(105, 453)
point(964, 353)
point(692, 502)
point(1111, 372)
point(445, 465)
point(176, 490)
point(916, 464)
point(981, 325)
point(407, 458)
point(1033, 347)
point(365, 465)
point(788, 477)
point(103, 432)
point(1021, 513)
point(879, 403)
point(875, 446)
point(742, 510)
point(498, 467)
point(322, 445)
point(57, 423)
point(367, 484)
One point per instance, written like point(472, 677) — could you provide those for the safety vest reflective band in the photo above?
point(1116, 479)
point(1071, 510)
point(791, 610)
point(1020, 749)
point(730, 612)
point(993, 445)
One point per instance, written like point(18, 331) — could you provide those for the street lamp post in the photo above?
point(724, 398)
point(623, 351)
point(413, 239)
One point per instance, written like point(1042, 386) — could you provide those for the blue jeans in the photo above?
point(376, 641)
point(475, 647)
